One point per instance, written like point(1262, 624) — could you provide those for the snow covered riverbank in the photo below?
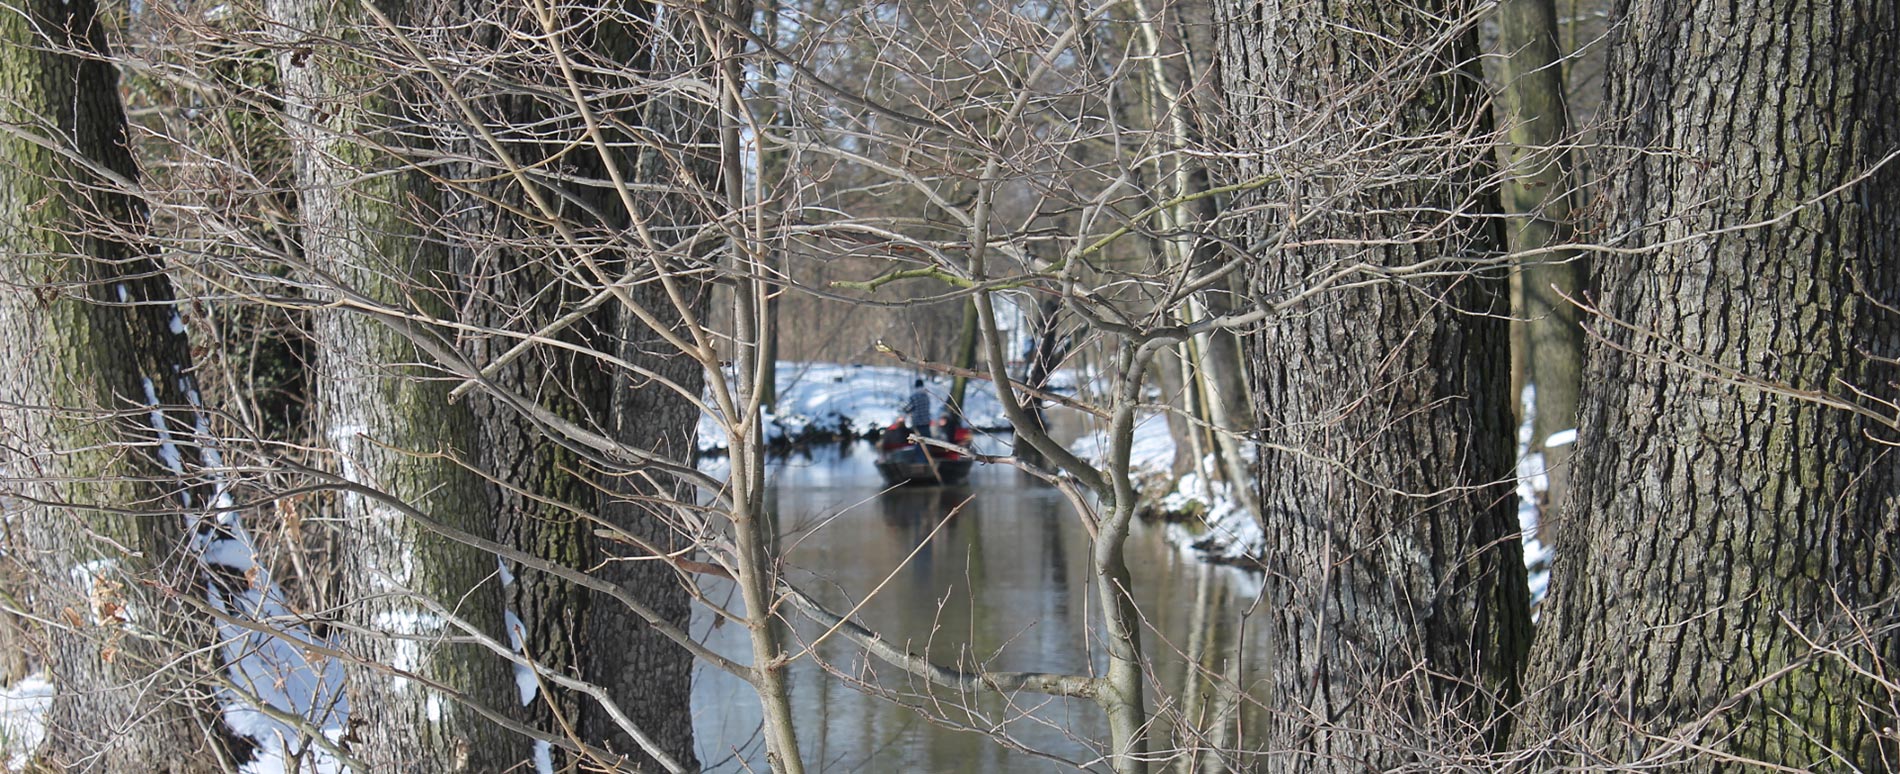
point(1206, 520)
point(820, 401)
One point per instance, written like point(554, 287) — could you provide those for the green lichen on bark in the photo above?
point(385, 411)
point(97, 483)
point(1736, 482)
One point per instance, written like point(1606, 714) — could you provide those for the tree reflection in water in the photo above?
point(993, 574)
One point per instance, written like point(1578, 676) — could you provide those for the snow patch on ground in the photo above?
point(23, 707)
point(266, 649)
point(1533, 485)
point(1151, 450)
point(278, 759)
point(271, 662)
point(276, 669)
point(1225, 530)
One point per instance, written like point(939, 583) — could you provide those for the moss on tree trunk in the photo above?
point(1736, 496)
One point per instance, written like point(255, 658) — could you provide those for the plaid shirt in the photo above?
point(917, 410)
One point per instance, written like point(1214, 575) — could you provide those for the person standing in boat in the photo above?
point(917, 410)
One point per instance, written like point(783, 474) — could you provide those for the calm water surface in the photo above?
point(992, 573)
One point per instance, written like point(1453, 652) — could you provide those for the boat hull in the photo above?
point(909, 465)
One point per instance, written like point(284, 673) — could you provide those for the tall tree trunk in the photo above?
point(645, 668)
point(1385, 460)
point(1218, 366)
point(387, 418)
point(1049, 349)
point(544, 504)
point(520, 280)
point(1172, 81)
point(93, 347)
point(646, 415)
point(1537, 192)
point(1168, 376)
point(1737, 499)
point(966, 359)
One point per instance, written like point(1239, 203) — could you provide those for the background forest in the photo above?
point(360, 356)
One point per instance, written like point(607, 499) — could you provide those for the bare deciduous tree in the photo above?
point(534, 246)
point(386, 415)
point(1538, 190)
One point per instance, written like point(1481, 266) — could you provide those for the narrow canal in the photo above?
point(995, 573)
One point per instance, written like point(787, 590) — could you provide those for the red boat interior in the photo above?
point(897, 436)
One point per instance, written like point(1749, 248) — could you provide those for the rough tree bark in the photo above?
point(93, 347)
point(554, 498)
point(1737, 498)
point(646, 415)
point(1385, 427)
point(544, 503)
point(387, 418)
